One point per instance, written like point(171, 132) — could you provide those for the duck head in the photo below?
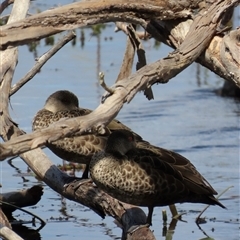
point(120, 141)
point(61, 100)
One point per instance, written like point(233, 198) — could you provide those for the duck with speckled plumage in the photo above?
point(144, 175)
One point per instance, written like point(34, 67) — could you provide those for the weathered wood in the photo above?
point(22, 198)
point(158, 72)
point(41, 61)
point(8, 63)
point(86, 193)
point(3, 219)
point(216, 57)
point(230, 54)
point(86, 13)
point(5, 4)
point(7, 234)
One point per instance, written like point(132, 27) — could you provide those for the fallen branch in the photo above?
point(85, 13)
point(222, 56)
point(7, 234)
point(3, 220)
point(23, 198)
point(41, 61)
point(8, 63)
point(5, 4)
point(202, 30)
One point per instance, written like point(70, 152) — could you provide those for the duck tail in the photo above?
point(215, 201)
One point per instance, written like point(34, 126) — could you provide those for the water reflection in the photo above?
point(26, 232)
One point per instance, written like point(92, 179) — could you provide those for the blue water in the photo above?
point(186, 116)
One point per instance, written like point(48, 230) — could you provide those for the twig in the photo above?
point(41, 61)
point(198, 217)
point(105, 87)
point(141, 57)
point(127, 63)
point(122, 26)
point(197, 221)
point(5, 4)
point(43, 223)
point(133, 43)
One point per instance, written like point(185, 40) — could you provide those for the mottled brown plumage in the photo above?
point(145, 175)
point(79, 149)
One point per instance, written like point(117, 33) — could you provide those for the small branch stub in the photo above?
point(105, 87)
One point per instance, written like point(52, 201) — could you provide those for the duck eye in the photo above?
point(130, 138)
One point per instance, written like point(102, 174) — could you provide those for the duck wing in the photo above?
point(184, 168)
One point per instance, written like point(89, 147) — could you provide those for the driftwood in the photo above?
point(222, 56)
point(85, 13)
point(22, 198)
point(4, 220)
point(160, 71)
point(194, 41)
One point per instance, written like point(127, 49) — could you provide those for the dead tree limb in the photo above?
point(158, 72)
point(41, 61)
point(127, 64)
point(22, 198)
point(217, 57)
point(3, 220)
point(86, 13)
point(124, 92)
point(7, 234)
point(48, 172)
point(141, 57)
point(5, 4)
point(9, 61)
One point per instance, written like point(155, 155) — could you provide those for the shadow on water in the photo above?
point(27, 233)
point(28, 230)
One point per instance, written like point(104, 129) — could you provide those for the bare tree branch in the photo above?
point(41, 61)
point(5, 4)
point(81, 14)
point(127, 64)
point(218, 57)
point(9, 61)
point(160, 71)
point(123, 27)
point(8, 234)
point(141, 58)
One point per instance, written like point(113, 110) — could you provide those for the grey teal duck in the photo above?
point(79, 149)
point(144, 175)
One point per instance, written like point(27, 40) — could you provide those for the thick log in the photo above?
point(22, 198)
point(86, 13)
